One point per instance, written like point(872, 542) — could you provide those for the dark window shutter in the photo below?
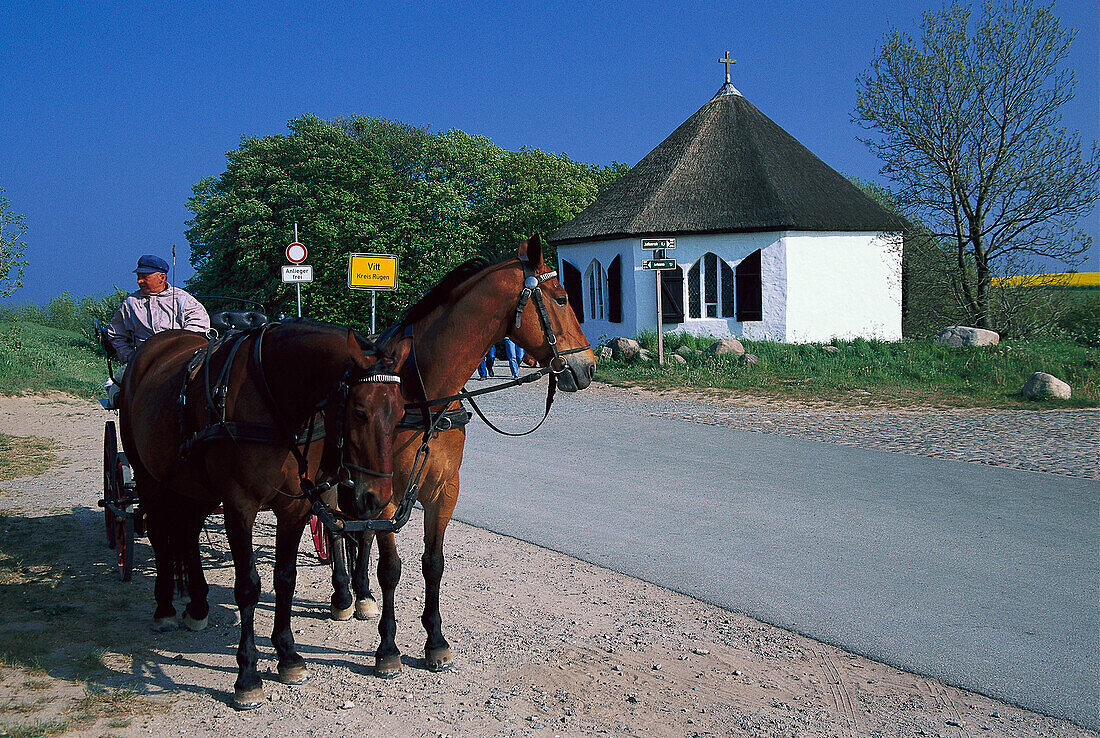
point(615, 290)
point(672, 295)
point(571, 281)
point(693, 290)
point(727, 290)
point(750, 297)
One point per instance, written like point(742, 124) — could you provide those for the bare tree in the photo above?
point(969, 129)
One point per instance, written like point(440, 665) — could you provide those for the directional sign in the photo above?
point(372, 272)
point(296, 253)
point(659, 243)
point(659, 264)
point(298, 273)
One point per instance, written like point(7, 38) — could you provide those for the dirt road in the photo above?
point(545, 645)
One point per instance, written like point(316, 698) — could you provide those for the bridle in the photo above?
point(532, 287)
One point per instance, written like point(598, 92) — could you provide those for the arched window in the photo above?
point(710, 288)
point(594, 279)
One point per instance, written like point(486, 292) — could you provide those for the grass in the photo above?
point(872, 372)
point(35, 358)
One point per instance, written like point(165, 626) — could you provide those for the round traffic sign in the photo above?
point(296, 253)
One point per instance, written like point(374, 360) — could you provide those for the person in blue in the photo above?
point(511, 350)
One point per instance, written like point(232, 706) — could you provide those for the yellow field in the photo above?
point(1063, 279)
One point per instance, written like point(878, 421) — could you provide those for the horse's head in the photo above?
point(369, 417)
point(544, 324)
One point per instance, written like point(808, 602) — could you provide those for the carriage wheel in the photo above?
point(124, 545)
point(112, 478)
point(320, 539)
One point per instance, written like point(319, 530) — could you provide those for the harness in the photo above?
point(219, 427)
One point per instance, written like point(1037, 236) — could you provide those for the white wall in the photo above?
point(817, 286)
point(843, 285)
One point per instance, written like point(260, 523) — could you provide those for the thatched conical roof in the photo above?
point(728, 168)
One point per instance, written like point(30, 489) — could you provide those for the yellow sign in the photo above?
point(372, 272)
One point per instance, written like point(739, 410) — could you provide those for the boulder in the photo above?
point(677, 359)
point(646, 355)
point(961, 335)
point(604, 352)
point(624, 348)
point(748, 359)
point(1042, 386)
point(685, 351)
point(830, 349)
point(726, 346)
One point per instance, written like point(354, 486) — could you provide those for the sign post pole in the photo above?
point(373, 307)
point(298, 285)
point(658, 264)
point(660, 254)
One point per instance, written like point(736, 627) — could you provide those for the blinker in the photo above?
point(530, 283)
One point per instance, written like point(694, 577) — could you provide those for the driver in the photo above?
point(156, 306)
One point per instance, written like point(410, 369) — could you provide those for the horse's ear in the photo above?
point(531, 251)
point(399, 352)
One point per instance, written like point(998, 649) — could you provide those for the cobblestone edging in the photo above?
point(1065, 442)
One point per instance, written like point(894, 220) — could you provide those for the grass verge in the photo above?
point(910, 373)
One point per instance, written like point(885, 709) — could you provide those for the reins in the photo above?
point(282, 433)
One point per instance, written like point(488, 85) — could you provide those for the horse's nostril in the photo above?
point(591, 371)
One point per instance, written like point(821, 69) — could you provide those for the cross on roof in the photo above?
point(727, 61)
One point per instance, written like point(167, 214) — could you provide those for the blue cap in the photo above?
point(149, 264)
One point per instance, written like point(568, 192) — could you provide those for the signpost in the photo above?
point(372, 272)
point(296, 253)
point(658, 264)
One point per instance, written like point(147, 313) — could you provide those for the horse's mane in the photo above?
point(439, 294)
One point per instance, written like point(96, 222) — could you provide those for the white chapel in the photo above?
point(770, 242)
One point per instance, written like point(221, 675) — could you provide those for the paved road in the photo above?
point(987, 578)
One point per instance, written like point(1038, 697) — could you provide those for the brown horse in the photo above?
point(453, 326)
point(207, 425)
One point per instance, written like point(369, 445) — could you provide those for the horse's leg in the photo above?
point(365, 606)
point(437, 514)
point(164, 617)
point(196, 614)
point(288, 534)
point(340, 605)
point(248, 690)
point(387, 659)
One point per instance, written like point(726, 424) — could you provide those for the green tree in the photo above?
point(969, 129)
point(369, 185)
point(12, 247)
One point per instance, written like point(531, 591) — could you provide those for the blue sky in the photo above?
point(111, 114)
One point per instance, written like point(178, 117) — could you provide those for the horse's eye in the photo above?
point(561, 300)
point(360, 414)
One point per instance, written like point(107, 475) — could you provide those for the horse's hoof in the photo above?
point(192, 624)
point(163, 625)
point(367, 609)
point(248, 699)
point(439, 660)
point(294, 674)
point(388, 667)
point(343, 613)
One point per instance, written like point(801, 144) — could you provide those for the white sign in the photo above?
point(296, 253)
point(301, 273)
point(659, 243)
